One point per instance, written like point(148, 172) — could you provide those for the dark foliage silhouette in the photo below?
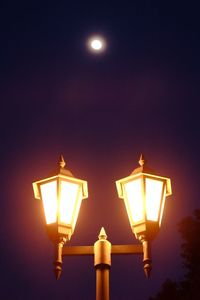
point(189, 287)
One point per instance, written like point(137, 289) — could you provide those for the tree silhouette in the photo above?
point(189, 287)
point(168, 291)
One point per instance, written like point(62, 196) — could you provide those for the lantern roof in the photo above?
point(142, 168)
point(60, 171)
point(61, 168)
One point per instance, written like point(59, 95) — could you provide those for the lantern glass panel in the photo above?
point(68, 198)
point(78, 205)
point(49, 198)
point(154, 190)
point(135, 203)
point(162, 205)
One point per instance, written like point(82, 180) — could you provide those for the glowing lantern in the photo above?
point(144, 195)
point(61, 195)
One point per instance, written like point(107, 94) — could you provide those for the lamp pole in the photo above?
point(102, 263)
point(102, 252)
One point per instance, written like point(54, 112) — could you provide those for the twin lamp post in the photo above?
point(144, 194)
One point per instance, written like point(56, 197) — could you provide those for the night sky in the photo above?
point(100, 112)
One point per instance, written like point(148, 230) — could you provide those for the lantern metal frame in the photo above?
point(144, 227)
point(61, 230)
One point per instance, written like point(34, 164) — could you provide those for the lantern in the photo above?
point(61, 196)
point(144, 195)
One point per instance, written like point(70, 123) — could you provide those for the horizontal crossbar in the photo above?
point(127, 249)
point(115, 249)
point(78, 250)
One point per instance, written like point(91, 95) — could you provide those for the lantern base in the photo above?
point(149, 229)
point(56, 232)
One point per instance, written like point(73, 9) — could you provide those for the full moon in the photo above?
point(96, 44)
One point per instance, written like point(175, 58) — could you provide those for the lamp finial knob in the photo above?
point(102, 234)
point(142, 160)
point(61, 161)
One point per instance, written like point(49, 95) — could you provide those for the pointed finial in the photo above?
point(142, 160)
point(102, 234)
point(61, 161)
point(147, 269)
point(58, 270)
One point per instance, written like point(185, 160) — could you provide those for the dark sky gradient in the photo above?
point(101, 112)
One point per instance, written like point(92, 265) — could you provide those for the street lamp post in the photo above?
point(144, 194)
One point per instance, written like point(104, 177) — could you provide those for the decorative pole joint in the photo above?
point(147, 266)
point(58, 257)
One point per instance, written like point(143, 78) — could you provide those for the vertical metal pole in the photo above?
point(58, 257)
point(146, 256)
point(102, 263)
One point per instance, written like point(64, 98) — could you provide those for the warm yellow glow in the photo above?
point(134, 200)
point(68, 201)
point(153, 198)
point(78, 205)
point(49, 198)
point(163, 205)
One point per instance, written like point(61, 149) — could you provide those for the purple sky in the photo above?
point(101, 112)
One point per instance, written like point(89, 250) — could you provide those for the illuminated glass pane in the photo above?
point(134, 200)
point(163, 205)
point(49, 198)
point(153, 198)
point(68, 196)
point(78, 204)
